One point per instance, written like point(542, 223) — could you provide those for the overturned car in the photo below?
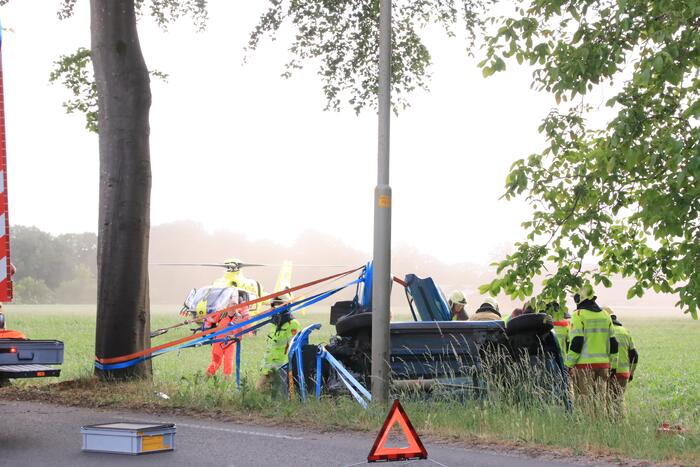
point(434, 353)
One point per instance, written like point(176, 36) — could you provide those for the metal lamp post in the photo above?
point(381, 278)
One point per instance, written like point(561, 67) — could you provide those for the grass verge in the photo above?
point(533, 430)
point(666, 388)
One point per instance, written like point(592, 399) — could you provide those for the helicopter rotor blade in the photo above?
point(312, 265)
point(247, 265)
point(298, 265)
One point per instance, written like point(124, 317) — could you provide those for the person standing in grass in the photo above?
point(225, 351)
point(592, 350)
point(278, 341)
point(561, 325)
point(622, 370)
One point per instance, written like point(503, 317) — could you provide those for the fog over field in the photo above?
point(188, 242)
point(62, 269)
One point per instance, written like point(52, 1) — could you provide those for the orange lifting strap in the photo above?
point(149, 351)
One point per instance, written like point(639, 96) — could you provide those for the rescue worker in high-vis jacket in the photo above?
point(622, 371)
point(487, 311)
point(226, 350)
point(592, 348)
point(285, 327)
point(457, 303)
point(561, 325)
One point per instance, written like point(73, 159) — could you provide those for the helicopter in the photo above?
point(233, 286)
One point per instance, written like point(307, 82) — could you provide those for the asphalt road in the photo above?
point(34, 434)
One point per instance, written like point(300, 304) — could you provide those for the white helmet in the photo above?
point(489, 304)
point(457, 297)
point(281, 299)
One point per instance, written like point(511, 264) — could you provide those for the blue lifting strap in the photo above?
point(358, 391)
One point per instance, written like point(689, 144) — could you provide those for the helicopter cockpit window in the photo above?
point(190, 298)
point(244, 296)
point(216, 298)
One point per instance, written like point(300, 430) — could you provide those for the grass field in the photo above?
point(75, 326)
point(666, 388)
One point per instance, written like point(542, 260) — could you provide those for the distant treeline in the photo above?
point(53, 269)
point(63, 268)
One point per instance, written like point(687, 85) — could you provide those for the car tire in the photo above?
point(533, 323)
point(342, 309)
point(351, 325)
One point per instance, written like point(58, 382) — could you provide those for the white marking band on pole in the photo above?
point(3, 268)
point(2, 225)
point(2, 181)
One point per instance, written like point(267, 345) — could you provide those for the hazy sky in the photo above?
point(238, 147)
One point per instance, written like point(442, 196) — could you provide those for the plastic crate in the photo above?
point(128, 438)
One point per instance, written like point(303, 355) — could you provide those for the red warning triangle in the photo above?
point(414, 450)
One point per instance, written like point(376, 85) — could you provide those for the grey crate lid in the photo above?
point(127, 426)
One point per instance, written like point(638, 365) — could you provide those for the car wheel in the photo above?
point(351, 325)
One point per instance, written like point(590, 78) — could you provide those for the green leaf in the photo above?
point(637, 215)
point(658, 63)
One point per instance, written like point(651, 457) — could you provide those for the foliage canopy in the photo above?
point(343, 36)
point(74, 70)
point(625, 195)
point(628, 194)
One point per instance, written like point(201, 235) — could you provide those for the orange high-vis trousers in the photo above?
point(222, 351)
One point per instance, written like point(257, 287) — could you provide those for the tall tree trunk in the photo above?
point(124, 101)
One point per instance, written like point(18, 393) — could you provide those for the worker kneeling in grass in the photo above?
point(285, 327)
